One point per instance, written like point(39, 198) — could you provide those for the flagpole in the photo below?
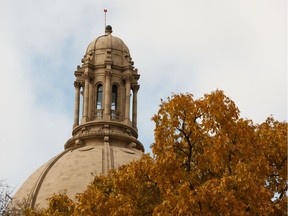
point(105, 11)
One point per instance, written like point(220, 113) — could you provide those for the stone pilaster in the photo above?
point(90, 105)
point(107, 93)
point(127, 98)
point(86, 98)
point(106, 152)
point(134, 112)
point(76, 103)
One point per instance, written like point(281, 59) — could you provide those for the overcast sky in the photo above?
point(193, 46)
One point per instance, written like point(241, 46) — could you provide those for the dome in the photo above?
point(108, 48)
point(104, 134)
point(72, 170)
point(107, 41)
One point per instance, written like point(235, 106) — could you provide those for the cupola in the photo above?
point(104, 134)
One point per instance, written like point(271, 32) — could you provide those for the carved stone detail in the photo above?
point(127, 78)
point(88, 76)
point(87, 57)
point(136, 87)
point(77, 84)
point(117, 130)
point(108, 73)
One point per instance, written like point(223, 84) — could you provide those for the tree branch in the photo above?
point(180, 149)
point(283, 192)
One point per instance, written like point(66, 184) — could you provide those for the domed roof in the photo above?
point(108, 47)
point(71, 171)
point(107, 135)
point(107, 42)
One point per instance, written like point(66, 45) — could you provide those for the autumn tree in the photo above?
point(206, 161)
point(215, 163)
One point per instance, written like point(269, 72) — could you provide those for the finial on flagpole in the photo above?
point(105, 11)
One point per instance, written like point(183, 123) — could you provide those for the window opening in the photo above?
point(99, 96)
point(114, 98)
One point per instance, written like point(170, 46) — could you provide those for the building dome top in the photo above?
point(108, 48)
point(107, 41)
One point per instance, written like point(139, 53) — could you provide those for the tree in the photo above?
point(8, 207)
point(226, 164)
point(5, 196)
point(206, 161)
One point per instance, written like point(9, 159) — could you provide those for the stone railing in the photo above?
point(114, 115)
point(99, 114)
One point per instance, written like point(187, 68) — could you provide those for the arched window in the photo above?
point(99, 96)
point(114, 97)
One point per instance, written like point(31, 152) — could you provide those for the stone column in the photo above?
point(127, 98)
point(86, 99)
point(82, 94)
point(134, 112)
point(90, 106)
point(107, 93)
point(77, 103)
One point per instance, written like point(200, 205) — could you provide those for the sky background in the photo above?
point(193, 46)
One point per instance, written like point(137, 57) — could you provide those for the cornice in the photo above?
point(112, 131)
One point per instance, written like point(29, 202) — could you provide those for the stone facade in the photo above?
point(104, 134)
